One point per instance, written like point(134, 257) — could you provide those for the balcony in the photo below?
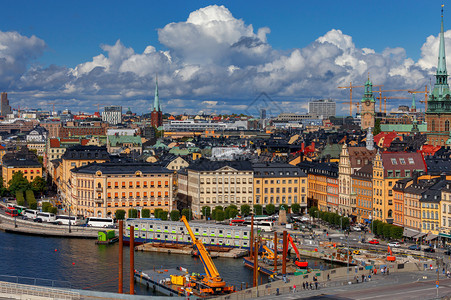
point(99, 190)
point(98, 200)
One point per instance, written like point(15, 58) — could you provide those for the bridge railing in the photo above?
point(8, 289)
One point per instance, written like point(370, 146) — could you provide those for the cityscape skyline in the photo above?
point(237, 56)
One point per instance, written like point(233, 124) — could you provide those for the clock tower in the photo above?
point(368, 107)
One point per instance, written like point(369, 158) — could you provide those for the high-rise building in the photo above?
point(438, 112)
point(323, 107)
point(112, 114)
point(368, 105)
point(262, 113)
point(156, 116)
point(5, 108)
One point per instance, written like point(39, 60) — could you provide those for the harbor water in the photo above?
point(81, 264)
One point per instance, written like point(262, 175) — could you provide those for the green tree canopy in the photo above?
point(120, 214)
point(175, 215)
point(145, 213)
point(38, 185)
point(18, 183)
point(312, 211)
point(258, 209)
point(132, 213)
point(187, 213)
point(206, 211)
point(245, 209)
point(220, 215)
point(46, 206)
point(164, 215)
point(295, 207)
point(156, 213)
point(270, 209)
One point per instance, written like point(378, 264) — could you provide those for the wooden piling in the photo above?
point(132, 260)
point(121, 256)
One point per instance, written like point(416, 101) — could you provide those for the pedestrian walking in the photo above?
point(294, 288)
point(316, 285)
point(311, 286)
point(388, 271)
point(303, 285)
point(328, 277)
point(363, 278)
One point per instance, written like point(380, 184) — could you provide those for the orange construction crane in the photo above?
point(426, 93)
point(385, 101)
point(98, 106)
point(53, 107)
point(380, 91)
point(351, 87)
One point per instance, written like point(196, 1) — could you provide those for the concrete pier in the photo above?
point(45, 229)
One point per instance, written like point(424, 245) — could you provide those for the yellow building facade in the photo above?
point(101, 189)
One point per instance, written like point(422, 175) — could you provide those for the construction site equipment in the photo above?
point(298, 262)
point(426, 93)
point(357, 103)
point(269, 254)
point(390, 256)
point(380, 91)
point(211, 283)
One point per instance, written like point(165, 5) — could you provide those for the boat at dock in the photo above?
point(106, 237)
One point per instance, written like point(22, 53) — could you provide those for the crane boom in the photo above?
point(290, 239)
point(212, 273)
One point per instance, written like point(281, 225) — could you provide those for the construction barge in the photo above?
point(172, 248)
point(178, 282)
point(160, 281)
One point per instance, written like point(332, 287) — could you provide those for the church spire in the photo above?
point(441, 75)
point(156, 101)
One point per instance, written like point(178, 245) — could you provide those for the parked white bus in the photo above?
point(30, 213)
point(64, 220)
point(263, 226)
point(46, 217)
point(100, 222)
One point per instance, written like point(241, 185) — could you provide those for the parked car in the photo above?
point(374, 242)
point(430, 250)
point(394, 244)
point(356, 228)
point(414, 247)
point(447, 252)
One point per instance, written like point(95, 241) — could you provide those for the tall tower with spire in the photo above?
point(438, 114)
point(368, 105)
point(156, 116)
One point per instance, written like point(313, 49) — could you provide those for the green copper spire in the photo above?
point(441, 67)
point(368, 95)
point(414, 106)
point(156, 101)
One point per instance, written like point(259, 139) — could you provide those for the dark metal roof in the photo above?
point(121, 168)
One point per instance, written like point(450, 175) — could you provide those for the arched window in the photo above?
point(446, 125)
point(433, 125)
point(390, 213)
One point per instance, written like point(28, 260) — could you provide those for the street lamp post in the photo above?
point(69, 220)
point(347, 258)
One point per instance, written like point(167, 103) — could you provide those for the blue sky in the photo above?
point(283, 60)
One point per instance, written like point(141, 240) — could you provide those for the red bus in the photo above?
point(12, 212)
point(236, 222)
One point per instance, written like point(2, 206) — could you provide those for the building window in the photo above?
point(446, 125)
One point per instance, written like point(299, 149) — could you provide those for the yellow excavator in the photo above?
point(212, 282)
point(269, 254)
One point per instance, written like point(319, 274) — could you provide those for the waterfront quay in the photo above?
point(19, 226)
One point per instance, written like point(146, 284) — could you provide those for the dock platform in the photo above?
point(172, 248)
point(159, 280)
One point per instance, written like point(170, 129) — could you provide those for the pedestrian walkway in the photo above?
point(380, 282)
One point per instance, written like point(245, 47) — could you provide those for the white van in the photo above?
point(46, 217)
point(30, 213)
point(100, 222)
point(64, 220)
